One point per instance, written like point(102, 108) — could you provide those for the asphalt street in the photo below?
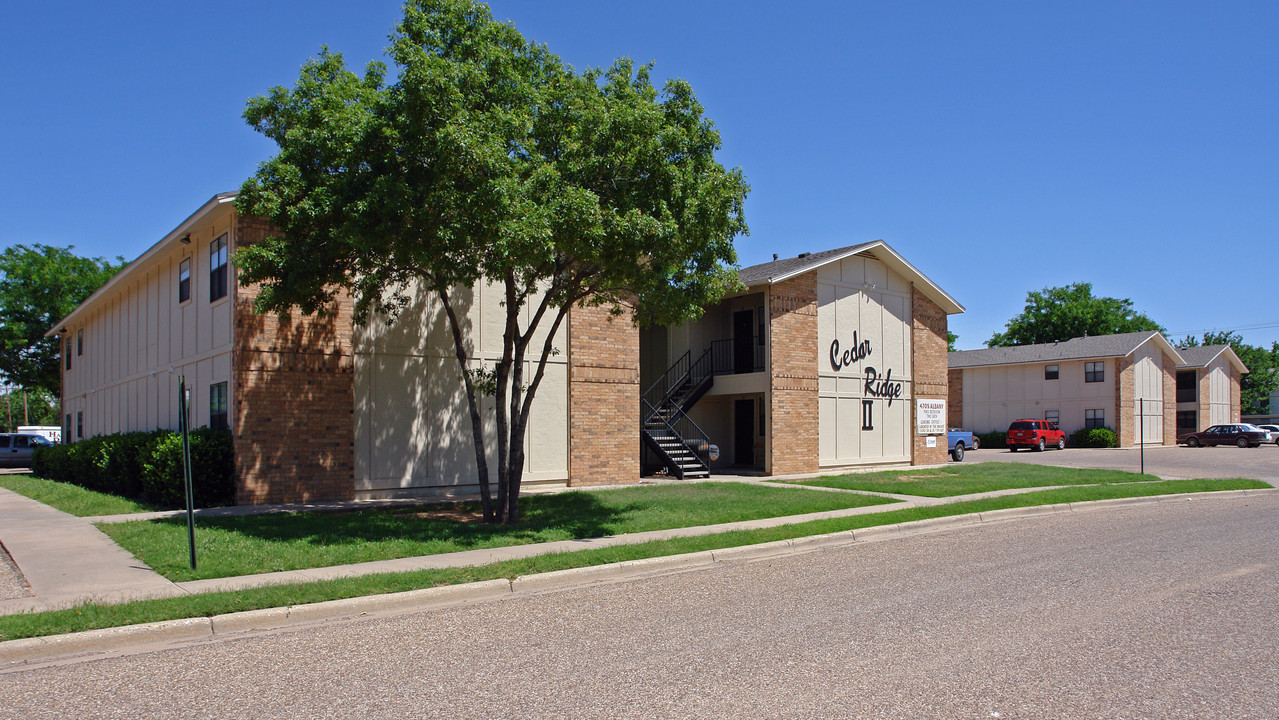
point(1153, 611)
point(1166, 461)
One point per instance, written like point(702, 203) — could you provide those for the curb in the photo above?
point(17, 654)
point(60, 647)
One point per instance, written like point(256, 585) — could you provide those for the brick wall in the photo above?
point(1205, 407)
point(930, 371)
point(293, 399)
point(1125, 394)
point(1236, 395)
point(955, 398)
point(1170, 400)
point(604, 427)
point(793, 407)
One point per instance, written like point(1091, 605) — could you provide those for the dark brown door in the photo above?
point(744, 433)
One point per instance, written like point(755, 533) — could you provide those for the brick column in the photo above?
point(292, 398)
point(1125, 394)
point(1204, 397)
point(955, 398)
point(1170, 400)
point(793, 407)
point(929, 378)
point(603, 398)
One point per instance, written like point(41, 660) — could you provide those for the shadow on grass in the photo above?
point(575, 514)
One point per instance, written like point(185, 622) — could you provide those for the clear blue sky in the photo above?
point(999, 146)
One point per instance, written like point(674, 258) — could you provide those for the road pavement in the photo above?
point(1152, 611)
point(1167, 461)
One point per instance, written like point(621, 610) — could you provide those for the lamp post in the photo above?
point(184, 403)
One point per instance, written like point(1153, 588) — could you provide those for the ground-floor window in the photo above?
point(79, 424)
point(66, 430)
point(1187, 421)
point(1053, 416)
point(1094, 418)
point(217, 406)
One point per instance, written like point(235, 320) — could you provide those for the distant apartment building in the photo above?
point(1137, 384)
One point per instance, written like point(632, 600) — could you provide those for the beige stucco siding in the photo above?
point(995, 396)
point(138, 339)
point(861, 295)
point(412, 422)
point(1148, 397)
point(1219, 410)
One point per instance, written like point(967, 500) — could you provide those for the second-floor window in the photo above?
point(184, 280)
point(1050, 372)
point(1094, 372)
point(217, 269)
point(79, 342)
point(68, 353)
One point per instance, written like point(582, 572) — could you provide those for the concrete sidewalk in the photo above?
point(65, 560)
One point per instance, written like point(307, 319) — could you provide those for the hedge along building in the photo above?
point(320, 408)
point(1137, 384)
point(825, 361)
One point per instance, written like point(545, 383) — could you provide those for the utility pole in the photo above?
point(26, 417)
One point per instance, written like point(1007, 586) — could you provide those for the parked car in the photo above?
point(15, 448)
point(1034, 434)
point(958, 440)
point(1241, 434)
point(1274, 431)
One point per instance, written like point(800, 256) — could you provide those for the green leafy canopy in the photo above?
point(488, 156)
point(40, 285)
point(489, 159)
point(1057, 314)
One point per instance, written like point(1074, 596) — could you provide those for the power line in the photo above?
point(1241, 328)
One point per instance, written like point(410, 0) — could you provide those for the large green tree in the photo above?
point(40, 285)
point(1260, 381)
point(1060, 313)
point(487, 159)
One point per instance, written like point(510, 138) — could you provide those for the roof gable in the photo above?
point(770, 273)
point(1203, 356)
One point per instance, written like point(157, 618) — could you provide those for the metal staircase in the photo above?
point(665, 428)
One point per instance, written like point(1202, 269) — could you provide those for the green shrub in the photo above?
point(992, 439)
point(1102, 437)
point(212, 470)
point(145, 466)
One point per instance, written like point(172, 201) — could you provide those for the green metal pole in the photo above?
point(183, 424)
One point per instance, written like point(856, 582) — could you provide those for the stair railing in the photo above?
point(684, 429)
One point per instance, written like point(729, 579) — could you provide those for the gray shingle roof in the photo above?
point(765, 272)
point(1098, 346)
point(1197, 357)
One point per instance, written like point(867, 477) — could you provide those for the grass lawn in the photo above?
point(71, 498)
point(268, 543)
point(88, 617)
point(966, 478)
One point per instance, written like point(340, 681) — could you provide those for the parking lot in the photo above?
point(1169, 462)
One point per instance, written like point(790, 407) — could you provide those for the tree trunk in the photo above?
point(477, 420)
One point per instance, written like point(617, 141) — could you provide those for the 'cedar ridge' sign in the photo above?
point(875, 385)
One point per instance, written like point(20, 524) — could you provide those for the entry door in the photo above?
point(744, 432)
point(744, 341)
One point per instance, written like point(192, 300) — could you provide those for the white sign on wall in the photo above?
point(930, 417)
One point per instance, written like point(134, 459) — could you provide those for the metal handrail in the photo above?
point(683, 428)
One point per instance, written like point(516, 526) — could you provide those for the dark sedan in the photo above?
point(1242, 434)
